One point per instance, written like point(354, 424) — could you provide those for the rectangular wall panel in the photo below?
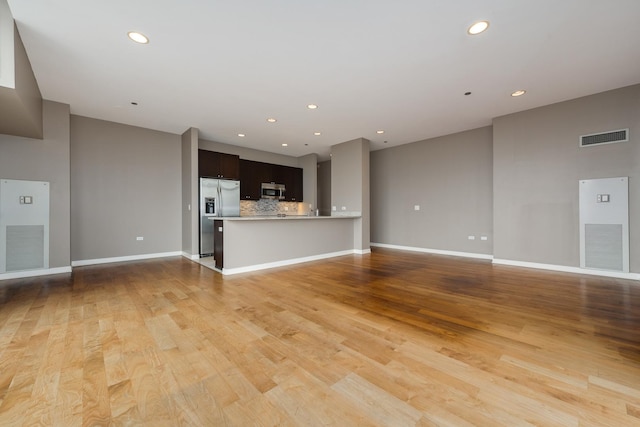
point(604, 224)
point(24, 225)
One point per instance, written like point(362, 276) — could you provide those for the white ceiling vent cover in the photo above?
point(611, 137)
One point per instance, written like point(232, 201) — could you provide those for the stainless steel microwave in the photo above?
point(272, 191)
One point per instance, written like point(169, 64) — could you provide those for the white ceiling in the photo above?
point(224, 67)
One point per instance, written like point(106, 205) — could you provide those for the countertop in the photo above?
point(287, 217)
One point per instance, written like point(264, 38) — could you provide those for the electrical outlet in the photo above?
point(471, 237)
point(333, 208)
point(416, 207)
point(484, 238)
point(139, 238)
point(344, 208)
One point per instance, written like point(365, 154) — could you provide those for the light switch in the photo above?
point(344, 208)
point(416, 207)
point(333, 208)
point(471, 237)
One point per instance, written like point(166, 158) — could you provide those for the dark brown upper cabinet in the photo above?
point(292, 179)
point(253, 174)
point(212, 164)
point(295, 193)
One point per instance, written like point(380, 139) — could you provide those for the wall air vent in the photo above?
point(614, 136)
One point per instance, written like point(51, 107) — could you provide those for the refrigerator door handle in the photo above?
point(220, 199)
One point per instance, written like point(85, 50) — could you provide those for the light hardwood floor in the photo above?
point(392, 338)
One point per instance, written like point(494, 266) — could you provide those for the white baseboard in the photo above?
point(35, 273)
point(191, 257)
point(247, 269)
point(524, 264)
point(84, 262)
point(362, 251)
point(567, 269)
point(434, 251)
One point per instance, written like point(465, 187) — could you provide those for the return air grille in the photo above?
point(621, 135)
point(25, 247)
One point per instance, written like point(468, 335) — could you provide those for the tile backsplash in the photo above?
point(272, 207)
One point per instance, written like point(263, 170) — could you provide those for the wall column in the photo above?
point(350, 187)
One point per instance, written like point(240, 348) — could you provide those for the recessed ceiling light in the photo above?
point(138, 37)
point(271, 120)
point(518, 93)
point(285, 145)
point(241, 135)
point(380, 131)
point(317, 133)
point(478, 27)
point(312, 106)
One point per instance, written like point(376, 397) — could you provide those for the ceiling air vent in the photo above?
point(614, 136)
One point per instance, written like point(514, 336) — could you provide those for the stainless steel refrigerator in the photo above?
point(218, 198)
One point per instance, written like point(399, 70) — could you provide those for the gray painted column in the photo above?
point(350, 186)
point(190, 192)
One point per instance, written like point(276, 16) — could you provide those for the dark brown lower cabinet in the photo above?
point(218, 241)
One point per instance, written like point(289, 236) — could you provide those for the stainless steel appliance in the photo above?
point(218, 198)
point(272, 191)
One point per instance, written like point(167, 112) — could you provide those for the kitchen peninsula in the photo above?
point(276, 226)
point(259, 242)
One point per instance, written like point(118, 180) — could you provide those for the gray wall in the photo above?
point(346, 175)
point(21, 104)
point(309, 165)
point(125, 182)
point(537, 165)
point(46, 159)
point(450, 178)
point(190, 225)
point(324, 188)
